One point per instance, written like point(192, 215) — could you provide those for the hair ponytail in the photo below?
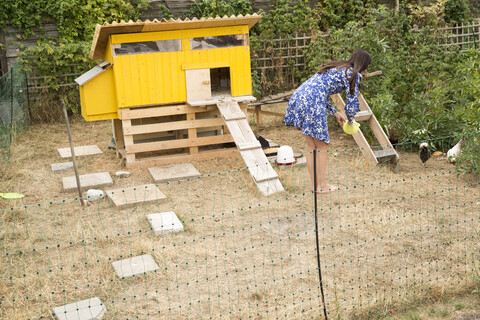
point(359, 61)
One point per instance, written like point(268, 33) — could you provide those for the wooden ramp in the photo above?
point(262, 172)
point(387, 152)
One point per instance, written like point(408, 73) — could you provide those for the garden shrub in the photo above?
point(76, 21)
point(285, 19)
point(213, 8)
point(456, 11)
point(415, 98)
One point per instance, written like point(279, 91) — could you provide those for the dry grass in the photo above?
point(391, 234)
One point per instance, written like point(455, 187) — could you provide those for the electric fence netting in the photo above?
point(391, 234)
point(14, 112)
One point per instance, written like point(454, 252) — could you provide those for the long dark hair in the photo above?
point(359, 61)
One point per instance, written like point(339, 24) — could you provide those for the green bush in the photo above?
point(67, 54)
point(422, 92)
point(213, 8)
point(456, 11)
point(337, 13)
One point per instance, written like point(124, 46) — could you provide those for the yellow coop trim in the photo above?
point(169, 35)
point(206, 65)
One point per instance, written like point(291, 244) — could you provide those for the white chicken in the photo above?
point(453, 153)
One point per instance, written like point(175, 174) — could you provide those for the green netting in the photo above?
point(391, 234)
point(14, 111)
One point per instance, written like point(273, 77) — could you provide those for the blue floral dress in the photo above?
point(308, 107)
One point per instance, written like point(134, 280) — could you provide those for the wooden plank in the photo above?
point(198, 84)
point(278, 96)
point(174, 125)
point(250, 149)
point(163, 160)
point(118, 135)
point(128, 139)
point(179, 143)
point(363, 115)
point(192, 134)
point(258, 165)
point(358, 136)
point(270, 187)
point(378, 131)
point(241, 132)
point(267, 113)
point(234, 116)
point(249, 146)
point(161, 111)
point(385, 155)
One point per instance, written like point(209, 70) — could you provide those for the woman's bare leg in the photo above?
point(322, 148)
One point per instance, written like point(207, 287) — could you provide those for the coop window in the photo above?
point(148, 47)
point(234, 40)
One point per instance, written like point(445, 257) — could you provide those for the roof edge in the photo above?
point(102, 32)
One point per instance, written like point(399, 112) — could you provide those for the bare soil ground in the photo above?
point(391, 234)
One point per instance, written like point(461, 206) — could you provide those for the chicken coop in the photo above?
point(161, 83)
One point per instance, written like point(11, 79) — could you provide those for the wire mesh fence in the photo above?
point(391, 233)
point(14, 111)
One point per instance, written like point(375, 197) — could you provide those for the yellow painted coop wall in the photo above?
point(97, 98)
point(154, 78)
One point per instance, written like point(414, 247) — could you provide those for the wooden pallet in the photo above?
point(365, 114)
point(257, 163)
point(159, 135)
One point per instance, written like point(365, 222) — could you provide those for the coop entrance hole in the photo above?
point(220, 82)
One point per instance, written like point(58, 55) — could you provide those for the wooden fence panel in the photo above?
point(465, 36)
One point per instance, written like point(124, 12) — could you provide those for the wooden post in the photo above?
point(258, 115)
point(192, 134)
point(118, 135)
point(79, 188)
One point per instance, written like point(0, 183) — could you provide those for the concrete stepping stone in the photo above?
point(80, 151)
point(135, 266)
point(87, 181)
point(62, 167)
point(129, 197)
point(90, 309)
point(165, 222)
point(173, 172)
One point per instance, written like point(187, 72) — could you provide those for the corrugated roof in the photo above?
point(102, 32)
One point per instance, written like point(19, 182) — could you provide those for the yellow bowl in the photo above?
point(351, 129)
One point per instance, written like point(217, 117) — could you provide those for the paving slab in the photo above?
point(62, 167)
point(90, 309)
point(87, 181)
point(80, 151)
point(165, 222)
point(173, 172)
point(135, 266)
point(129, 197)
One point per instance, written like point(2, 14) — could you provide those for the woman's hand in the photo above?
point(340, 119)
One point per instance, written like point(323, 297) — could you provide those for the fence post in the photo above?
point(317, 242)
point(478, 28)
point(28, 97)
point(11, 104)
